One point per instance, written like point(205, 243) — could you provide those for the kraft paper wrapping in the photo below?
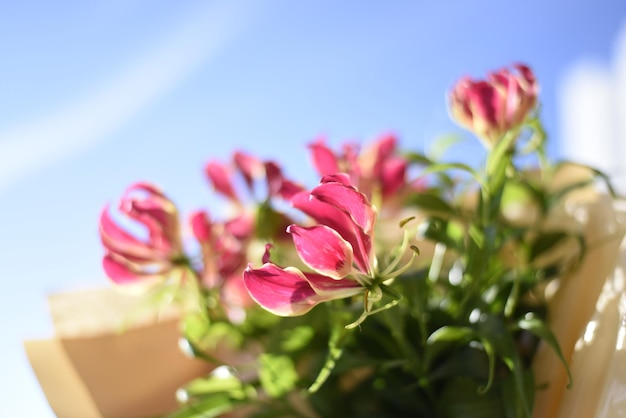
point(92, 369)
point(585, 314)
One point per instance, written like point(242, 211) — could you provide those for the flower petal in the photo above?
point(329, 215)
point(330, 288)
point(119, 272)
point(393, 175)
point(283, 292)
point(117, 240)
point(324, 159)
point(220, 177)
point(201, 226)
point(349, 200)
point(323, 249)
point(249, 166)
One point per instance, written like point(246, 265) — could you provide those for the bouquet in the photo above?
point(402, 284)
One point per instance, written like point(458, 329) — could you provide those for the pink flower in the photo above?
point(338, 250)
point(223, 245)
point(251, 169)
point(129, 257)
point(494, 106)
point(376, 169)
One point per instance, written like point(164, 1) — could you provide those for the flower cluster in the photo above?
point(399, 285)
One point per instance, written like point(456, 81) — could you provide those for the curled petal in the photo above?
point(348, 200)
point(249, 166)
point(121, 273)
point(329, 215)
point(274, 177)
point(119, 241)
point(241, 226)
point(289, 188)
point(154, 252)
point(114, 232)
point(160, 210)
point(220, 177)
point(201, 226)
point(330, 288)
point(323, 249)
point(393, 175)
point(284, 292)
point(373, 157)
point(147, 205)
point(324, 159)
point(341, 178)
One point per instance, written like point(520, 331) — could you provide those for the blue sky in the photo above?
point(96, 95)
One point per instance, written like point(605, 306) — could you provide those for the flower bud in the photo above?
point(494, 106)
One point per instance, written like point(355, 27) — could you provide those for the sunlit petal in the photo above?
point(284, 292)
point(323, 249)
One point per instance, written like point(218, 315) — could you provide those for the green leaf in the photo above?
point(213, 395)
point(460, 399)
point(445, 337)
point(492, 330)
point(294, 339)
point(512, 407)
point(195, 326)
point(437, 230)
point(545, 242)
point(541, 330)
point(450, 333)
point(191, 349)
point(595, 172)
point(418, 158)
point(442, 144)
point(277, 374)
point(430, 202)
point(221, 380)
point(210, 406)
point(444, 167)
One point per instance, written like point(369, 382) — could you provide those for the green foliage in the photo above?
point(277, 374)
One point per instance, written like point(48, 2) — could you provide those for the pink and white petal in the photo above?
point(234, 292)
point(201, 226)
point(161, 209)
point(342, 178)
point(119, 241)
point(121, 273)
point(283, 292)
point(160, 217)
point(324, 159)
point(323, 250)
point(159, 237)
point(393, 175)
point(329, 288)
point(112, 229)
point(348, 200)
point(274, 178)
point(145, 187)
point(289, 188)
point(220, 177)
point(249, 166)
point(242, 226)
point(329, 215)
point(373, 157)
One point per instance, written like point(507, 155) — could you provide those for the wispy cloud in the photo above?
point(79, 125)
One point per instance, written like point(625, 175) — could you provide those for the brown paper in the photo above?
point(91, 369)
point(574, 305)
